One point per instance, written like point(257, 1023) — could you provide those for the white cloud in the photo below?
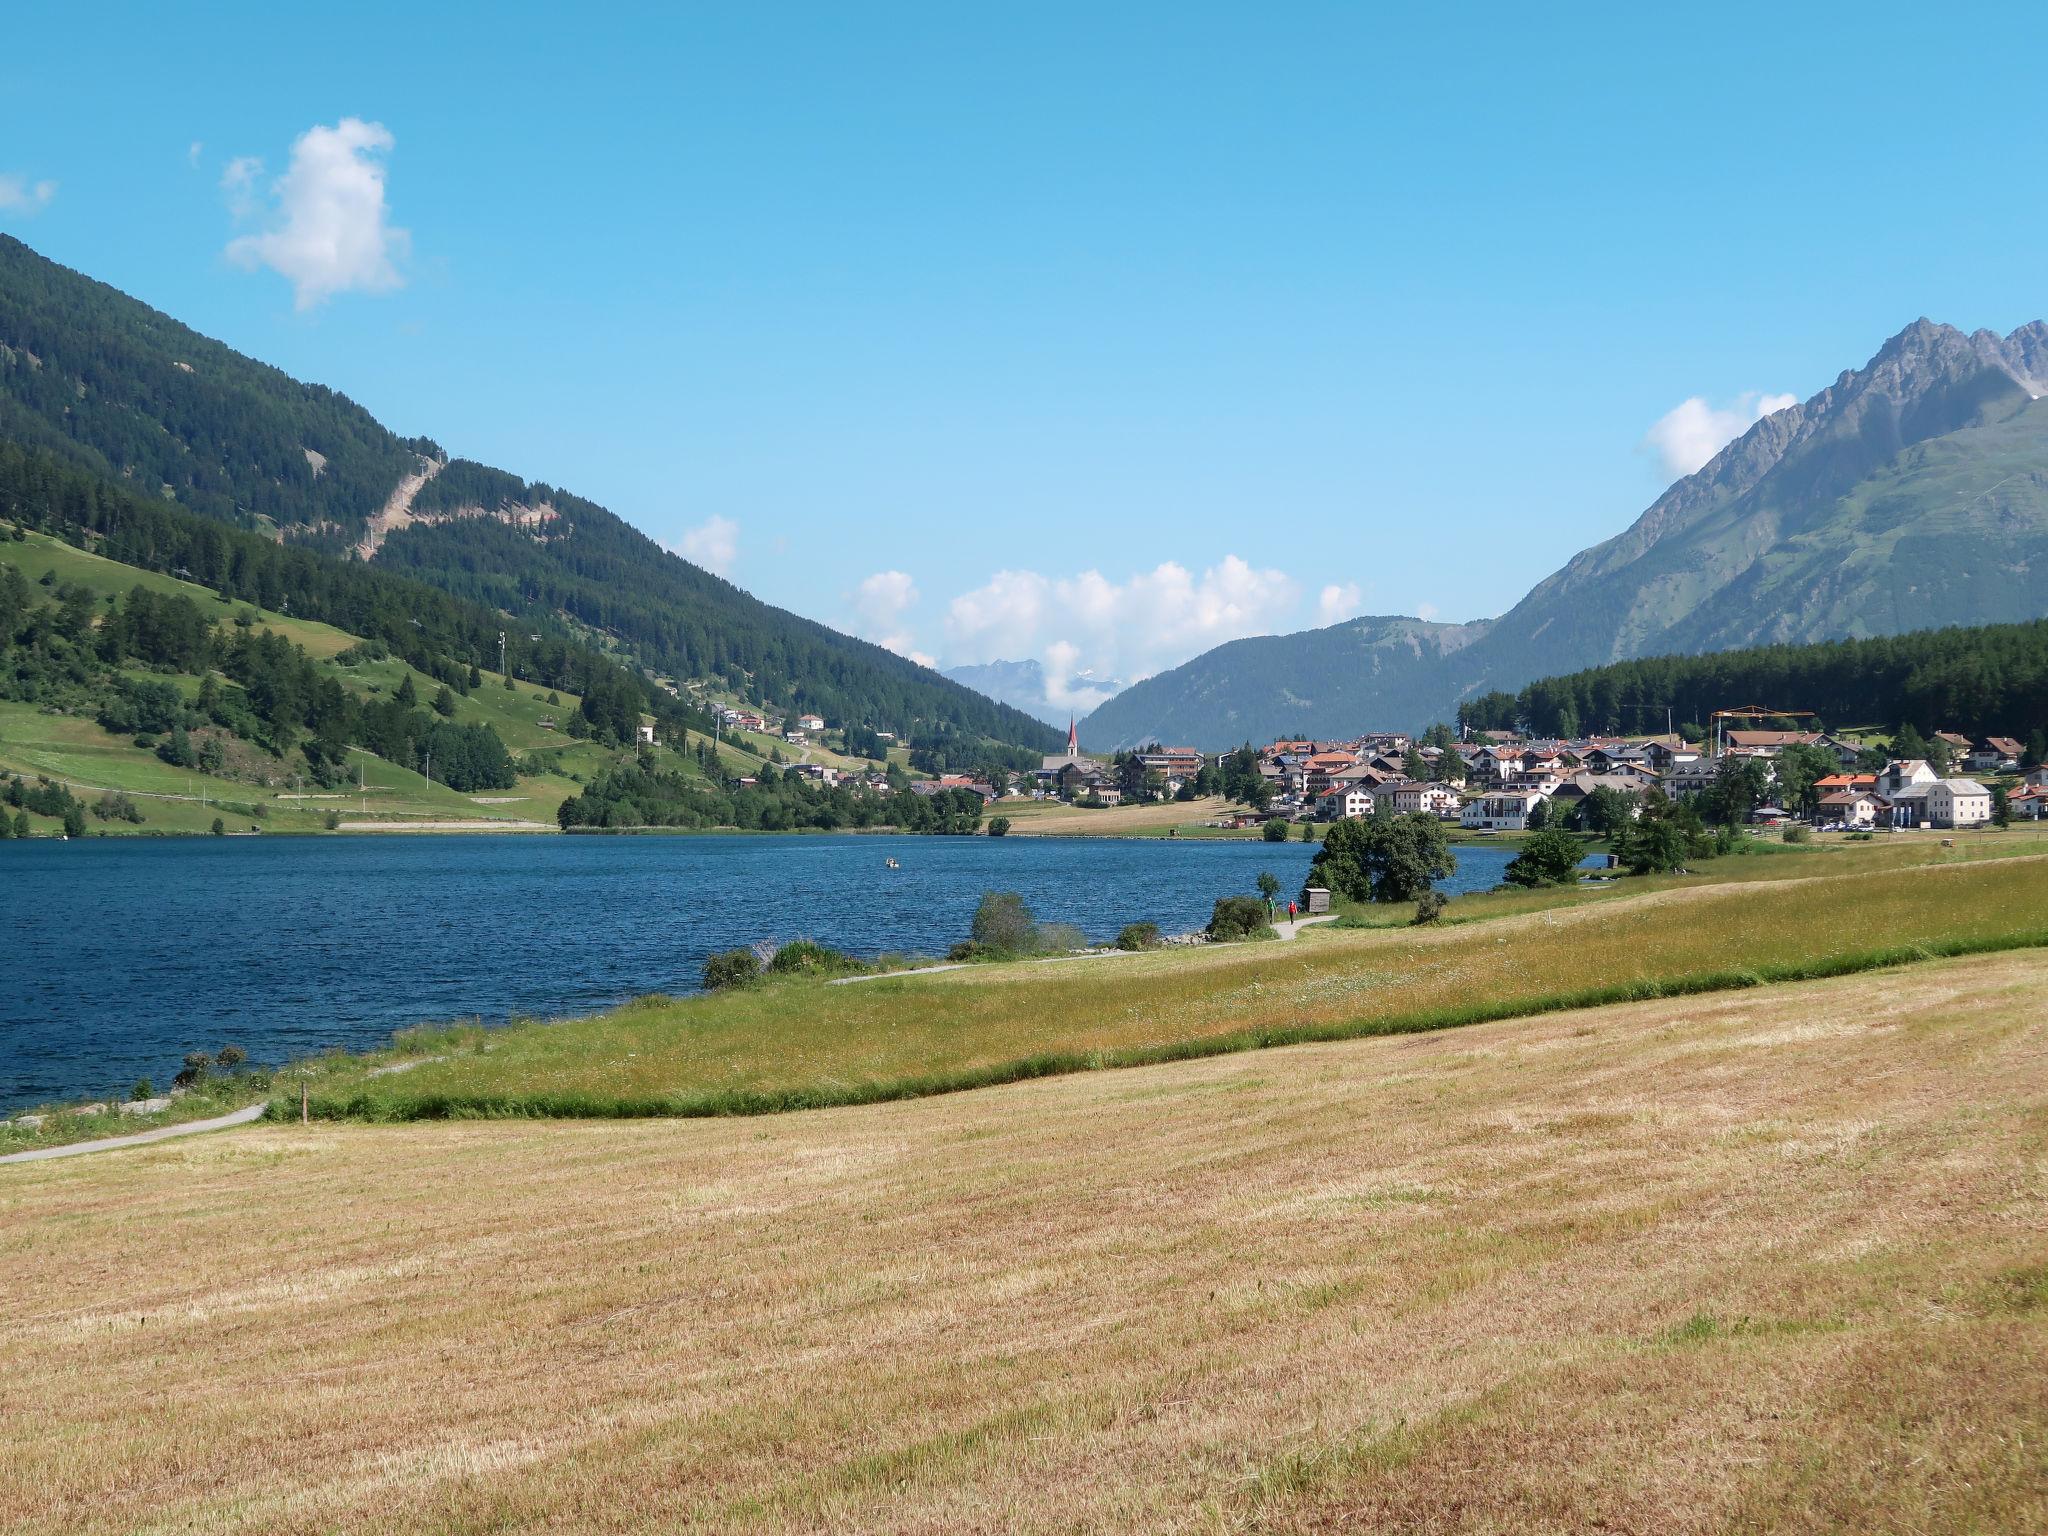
point(20, 195)
point(238, 184)
point(1338, 602)
point(331, 231)
point(1685, 437)
point(1109, 629)
point(881, 601)
point(1425, 611)
point(713, 544)
point(193, 152)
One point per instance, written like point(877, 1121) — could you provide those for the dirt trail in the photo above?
point(397, 510)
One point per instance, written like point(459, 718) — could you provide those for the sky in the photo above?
point(1096, 336)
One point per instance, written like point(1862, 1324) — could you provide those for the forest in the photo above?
point(1980, 680)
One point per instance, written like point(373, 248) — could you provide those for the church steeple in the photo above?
point(1073, 739)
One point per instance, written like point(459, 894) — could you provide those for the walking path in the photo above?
point(141, 1138)
point(1285, 930)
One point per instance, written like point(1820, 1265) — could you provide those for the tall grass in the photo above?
point(805, 1046)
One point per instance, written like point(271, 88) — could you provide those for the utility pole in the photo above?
point(501, 655)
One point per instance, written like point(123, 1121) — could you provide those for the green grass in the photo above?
point(799, 1045)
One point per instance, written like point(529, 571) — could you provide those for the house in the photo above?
point(1767, 743)
point(2037, 778)
point(1406, 797)
point(1959, 746)
point(1501, 810)
point(644, 734)
point(1344, 802)
point(1689, 778)
point(809, 723)
point(1850, 782)
point(1174, 764)
point(1995, 754)
point(1904, 774)
point(1851, 807)
point(1955, 803)
point(2029, 802)
point(1580, 785)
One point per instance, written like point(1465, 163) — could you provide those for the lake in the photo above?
point(117, 956)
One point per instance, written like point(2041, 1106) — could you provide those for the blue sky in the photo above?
point(1044, 331)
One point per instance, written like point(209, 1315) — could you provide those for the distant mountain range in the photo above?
point(128, 394)
point(1022, 684)
point(1910, 493)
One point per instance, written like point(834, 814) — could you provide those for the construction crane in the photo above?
point(1753, 712)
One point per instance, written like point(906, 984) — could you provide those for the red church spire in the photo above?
point(1073, 739)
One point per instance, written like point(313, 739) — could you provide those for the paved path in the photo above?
point(1288, 930)
point(141, 1138)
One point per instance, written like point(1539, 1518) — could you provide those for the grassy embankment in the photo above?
point(1771, 1260)
point(75, 751)
point(803, 1044)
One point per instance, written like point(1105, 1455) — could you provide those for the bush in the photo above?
point(1275, 831)
point(999, 826)
point(1429, 907)
point(968, 950)
point(1004, 925)
point(1547, 858)
point(1793, 832)
point(220, 828)
point(197, 1065)
point(1134, 936)
point(803, 957)
point(143, 1089)
point(332, 821)
point(731, 968)
point(1238, 917)
point(229, 1057)
point(1054, 937)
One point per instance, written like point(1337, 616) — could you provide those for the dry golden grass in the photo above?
point(1769, 1260)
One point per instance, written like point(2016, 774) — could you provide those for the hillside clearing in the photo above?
point(1775, 1259)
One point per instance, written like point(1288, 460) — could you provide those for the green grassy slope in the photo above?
point(75, 751)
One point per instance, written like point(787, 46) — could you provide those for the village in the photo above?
point(1501, 782)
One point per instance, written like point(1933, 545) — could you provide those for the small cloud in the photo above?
point(193, 152)
point(1688, 435)
point(1426, 611)
point(881, 601)
point(20, 195)
point(713, 544)
point(1339, 601)
point(331, 229)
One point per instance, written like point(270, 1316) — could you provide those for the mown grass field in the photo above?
point(1771, 1260)
point(804, 1044)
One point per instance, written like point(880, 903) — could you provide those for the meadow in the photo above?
point(1769, 1260)
point(804, 1044)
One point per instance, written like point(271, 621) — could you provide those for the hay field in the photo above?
point(1766, 1260)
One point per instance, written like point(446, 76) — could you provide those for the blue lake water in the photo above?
point(118, 956)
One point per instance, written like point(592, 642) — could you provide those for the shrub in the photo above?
point(220, 828)
point(1238, 917)
point(1275, 831)
point(970, 950)
point(1135, 936)
point(1429, 907)
point(229, 1057)
point(803, 957)
point(1004, 925)
point(1547, 858)
point(197, 1065)
point(1793, 832)
point(999, 826)
point(1060, 936)
point(731, 968)
point(143, 1089)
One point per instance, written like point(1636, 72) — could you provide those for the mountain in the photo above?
point(127, 393)
point(1023, 684)
point(1910, 493)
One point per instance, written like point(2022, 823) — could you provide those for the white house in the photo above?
point(1958, 803)
point(1345, 802)
point(810, 723)
point(1501, 810)
point(1903, 774)
point(1851, 807)
point(1406, 796)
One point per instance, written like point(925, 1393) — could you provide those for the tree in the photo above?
point(1800, 768)
point(21, 828)
point(220, 828)
point(444, 703)
point(1269, 887)
point(409, 695)
point(476, 677)
point(999, 826)
point(1429, 907)
point(1274, 831)
point(176, 749)
point(1308, 833)
point(1607, 810)
point(1134, 936)
point(1547, 858)
point(1415, 765)
point(74, 820)
point(1740, 786)
point(1384, 859)
point(2001, 806)
point(1440, 736)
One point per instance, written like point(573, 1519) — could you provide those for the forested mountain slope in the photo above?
point(1909, 494)
point(131, 395)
